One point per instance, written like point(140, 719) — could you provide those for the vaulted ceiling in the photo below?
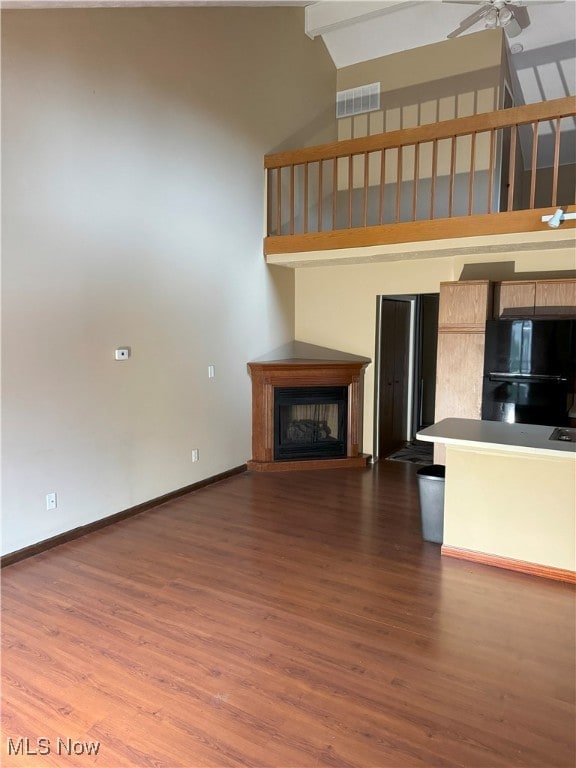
point(543, 56)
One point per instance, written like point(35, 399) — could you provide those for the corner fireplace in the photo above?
point(310, 422)
point(307, 409)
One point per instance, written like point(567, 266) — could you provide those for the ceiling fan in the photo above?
point(497, 13)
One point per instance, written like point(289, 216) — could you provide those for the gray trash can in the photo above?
point(431, 497)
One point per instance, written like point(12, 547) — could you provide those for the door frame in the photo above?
point(412, 299)
point(414, 365)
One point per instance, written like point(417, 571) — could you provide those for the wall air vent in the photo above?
point(356, 101)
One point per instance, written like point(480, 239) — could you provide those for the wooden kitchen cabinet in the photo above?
point(460, 369)
point(459, 372)
point(534, 298)
point(514, 299)
point(555, 297)
point(464, 308)
point(464, 305)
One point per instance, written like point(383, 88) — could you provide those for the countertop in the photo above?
point(497, 435)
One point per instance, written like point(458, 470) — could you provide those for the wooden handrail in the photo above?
point(462, 183)
point(416, 231)
point(485, 121)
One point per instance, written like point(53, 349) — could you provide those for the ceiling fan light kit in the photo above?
point(510, 26)
point(491, 19)
point(496, 13)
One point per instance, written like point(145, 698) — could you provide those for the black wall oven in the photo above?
point(529, 369)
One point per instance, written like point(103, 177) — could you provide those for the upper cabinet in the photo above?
point(529, 298)
point(555, 297)
point(464, 305)
point(514, 299)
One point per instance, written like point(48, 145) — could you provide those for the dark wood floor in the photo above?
point(284, 620)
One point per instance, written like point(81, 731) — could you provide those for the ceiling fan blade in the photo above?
point(469, 21)
point(527, 3)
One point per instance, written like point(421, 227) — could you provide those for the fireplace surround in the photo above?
point(307, 409)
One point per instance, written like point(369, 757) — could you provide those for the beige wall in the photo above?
point(336, 305)
point(447, 80)
point(133, 203)
point(429, 63)
point(437, 82)
point(524, 512)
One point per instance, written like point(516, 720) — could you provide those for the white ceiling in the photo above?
point(359, 30)
point(545, 68)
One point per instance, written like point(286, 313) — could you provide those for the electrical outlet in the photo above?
point(51, 501)
point(195, 454)
point(211, 372)
point(122, 353)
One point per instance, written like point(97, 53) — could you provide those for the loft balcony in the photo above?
point(474, 182)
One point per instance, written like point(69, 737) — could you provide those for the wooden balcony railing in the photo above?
point(485, 174)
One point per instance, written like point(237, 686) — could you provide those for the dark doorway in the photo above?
point(428, 343)
point(406, 342)
point(394, 373)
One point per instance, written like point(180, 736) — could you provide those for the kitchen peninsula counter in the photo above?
point(510, 496)
point(518, 438)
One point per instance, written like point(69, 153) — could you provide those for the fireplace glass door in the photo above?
point(310, 422)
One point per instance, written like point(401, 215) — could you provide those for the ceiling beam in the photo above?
point(325, 16)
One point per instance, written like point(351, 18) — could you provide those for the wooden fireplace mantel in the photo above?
point(305, 365)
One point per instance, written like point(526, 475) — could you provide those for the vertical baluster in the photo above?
point(350, 184)
point(320, 193)
point(512, 167)
point(382, 185)
point(452, 173)
point(292, 199)
point(305, 197)
point(365, 196)
point(556, 162)
point(269, 182)
point(534, 160)
point(491, 168)
point(433, 179)
point(398, 184)
point(471, 174)
point(416, 180)
point(335, 193)
point(279, 201)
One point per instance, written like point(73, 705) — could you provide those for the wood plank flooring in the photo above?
point(285, 621)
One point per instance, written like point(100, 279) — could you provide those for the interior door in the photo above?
point(394, 373)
